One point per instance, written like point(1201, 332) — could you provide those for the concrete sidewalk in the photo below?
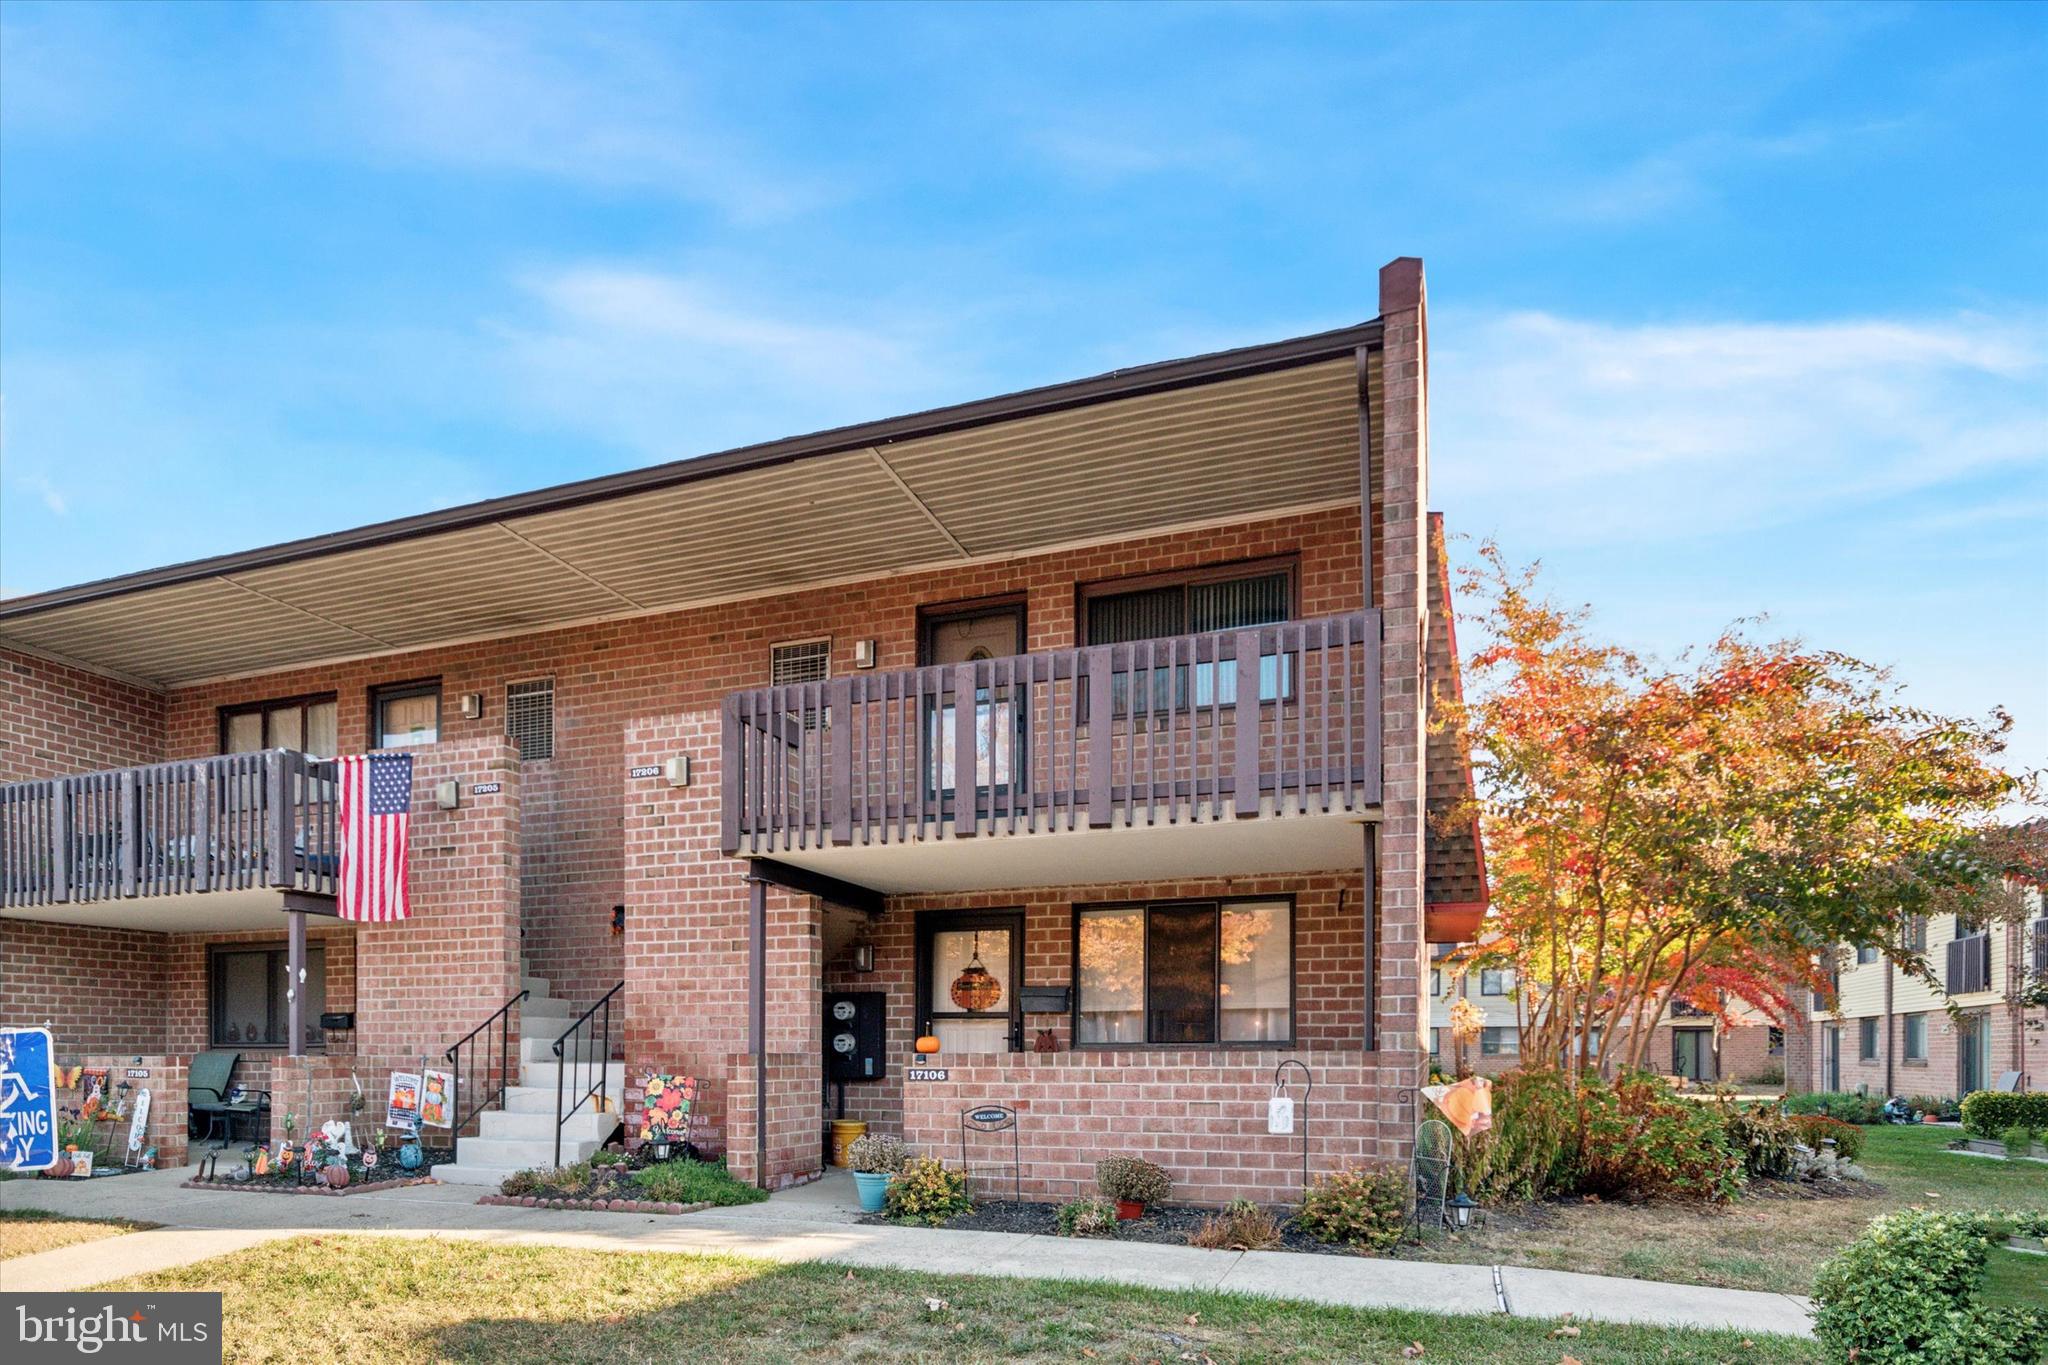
point(818, 1223)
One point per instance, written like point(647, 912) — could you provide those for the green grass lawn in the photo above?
point(2015, 1280)
point(24, 1232)
point(398, 1300)
point(1767, 1240)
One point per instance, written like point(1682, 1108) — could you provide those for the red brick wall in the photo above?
point(98, 990)
point(55, 720)
point(1200, 1113)
point(684, 662)
point(165, 1126)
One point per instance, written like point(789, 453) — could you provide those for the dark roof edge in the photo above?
point(1158, 377)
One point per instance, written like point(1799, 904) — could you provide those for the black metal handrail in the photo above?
point(493, 1090)
point(601, 1032)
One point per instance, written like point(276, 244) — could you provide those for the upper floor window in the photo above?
point(1227, 597)
point(302, 723)
point(1916, 933)
point(1496, 980)
point(1865, 956)
point(405, 714)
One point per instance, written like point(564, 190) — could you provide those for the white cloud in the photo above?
point(1613, 432)
point(1687, 173)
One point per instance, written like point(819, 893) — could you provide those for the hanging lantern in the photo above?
point(974, 989)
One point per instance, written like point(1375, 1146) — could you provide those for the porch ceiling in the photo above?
point(1241, 434)
point(1224, 848)
point(197, 912)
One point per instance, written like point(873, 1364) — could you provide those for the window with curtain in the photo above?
point(1503, 1041)
point(247, 997)
point(1496, 980)
point(1916, 1038)
point(302, 723)
point(1185, 974)
point(1233, 598)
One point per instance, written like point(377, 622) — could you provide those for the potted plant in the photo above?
point(1132, 1182)
point(876, 1160)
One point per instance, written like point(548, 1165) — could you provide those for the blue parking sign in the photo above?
point(28, 1100)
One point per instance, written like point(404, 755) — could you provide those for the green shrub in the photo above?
point(1640, 1141)
point(1093, 1217)
point(926, 1192)
point(2018, 1140)
point(1987, 1113)
point(1133, 1178)
point(1845, 1105)
point(610, 1159)
point(1360, 1208)
point(684, 1181)
point(1814, 1128)
point(1242, 1226)
point(1905, 1291)
point(1532, 1148)
point(519, 1184)
point(1765, 1139)
point(877, 1155)
point(1769, 1075)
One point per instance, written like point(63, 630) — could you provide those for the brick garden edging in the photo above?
point(253, 1188)
point(535, 1201)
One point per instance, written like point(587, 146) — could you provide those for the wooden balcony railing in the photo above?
point(1969, 964)
point(1168, 731)
point(234, 822)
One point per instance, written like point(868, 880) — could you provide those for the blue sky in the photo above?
point(1736, 309)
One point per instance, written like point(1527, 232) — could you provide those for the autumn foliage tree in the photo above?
point(1702, 832)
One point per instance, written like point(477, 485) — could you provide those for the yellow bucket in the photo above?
point(844, 1131)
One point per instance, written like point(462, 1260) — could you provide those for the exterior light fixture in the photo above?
point(863, 653)
point(677, 770)
point(448, 795)
point(863, 957)
point(1461, 1207)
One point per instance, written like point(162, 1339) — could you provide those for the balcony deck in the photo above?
point(1112, 761)
point(210, 843)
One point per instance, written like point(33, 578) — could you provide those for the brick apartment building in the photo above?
point(693, 751)
point(1887, 1033)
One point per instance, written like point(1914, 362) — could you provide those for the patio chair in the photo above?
point(208, 1093)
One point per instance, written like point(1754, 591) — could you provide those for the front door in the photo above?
point(966, 634)
point(1831, 1057)
point(969, 967)
point(1973, 1053)
point(1692, 1053)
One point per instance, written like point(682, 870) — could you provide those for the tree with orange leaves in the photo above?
point(1704, 832)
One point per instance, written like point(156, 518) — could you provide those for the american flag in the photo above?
point(376, 806)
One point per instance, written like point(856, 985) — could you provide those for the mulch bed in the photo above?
point(542, 1201)
point(1169, 1224)
point(266, 1185)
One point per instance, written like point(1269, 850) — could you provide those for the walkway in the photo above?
point(816, 1222)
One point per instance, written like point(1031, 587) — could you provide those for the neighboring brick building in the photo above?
point(704, 723)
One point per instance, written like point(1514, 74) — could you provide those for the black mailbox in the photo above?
point(334, 1023)
point(854, 1035)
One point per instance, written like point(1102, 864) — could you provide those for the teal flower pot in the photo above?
point(873, 1187)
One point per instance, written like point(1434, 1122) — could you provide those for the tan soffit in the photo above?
point(1215, 451)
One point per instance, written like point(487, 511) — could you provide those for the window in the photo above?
point(1866, 1039)
point(1505, 1041)
point(1916, 933)
point(1436, 981)
point(1916, 1037)
point(302, 723)
point(247, 1003)
point(801, 662)
point(1865, 956)
point(530, 717)
point(950, 945)
point(1775, 1045)
point(1186, 973)
point(405, 714)
point(1230, 597)
point(1436, 1042)
point(1496, 980)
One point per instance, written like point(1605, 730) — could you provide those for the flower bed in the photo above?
point(270, 1185)
point(619, 1182)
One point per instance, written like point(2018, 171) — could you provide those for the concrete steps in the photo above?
point(520, 1136)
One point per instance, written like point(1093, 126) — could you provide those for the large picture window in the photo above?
point(246, 997)
point(1184, 973)
point(302, 723)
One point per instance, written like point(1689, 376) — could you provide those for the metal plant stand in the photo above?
point(1308, 1087)
point(1429, 1176)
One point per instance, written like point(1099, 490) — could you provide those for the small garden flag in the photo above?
point(376, 809)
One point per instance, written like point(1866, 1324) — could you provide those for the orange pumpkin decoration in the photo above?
point(927, 1044)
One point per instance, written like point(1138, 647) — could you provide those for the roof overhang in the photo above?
point(1260, 431)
